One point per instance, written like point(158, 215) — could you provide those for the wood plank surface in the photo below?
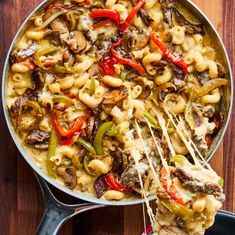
point(20, 196)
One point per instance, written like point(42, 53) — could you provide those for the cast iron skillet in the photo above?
point(57, 213)
point(227, 104)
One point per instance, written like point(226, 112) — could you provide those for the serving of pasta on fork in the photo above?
point(122, 99)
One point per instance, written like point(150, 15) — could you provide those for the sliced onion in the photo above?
point(50, 19)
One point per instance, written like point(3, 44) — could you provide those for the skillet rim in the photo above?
point(87, 197)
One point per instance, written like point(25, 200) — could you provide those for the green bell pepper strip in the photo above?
point(178, 209)
point(189, 117)
point(103, 128)
point(41, 52)
point(180, 160)
point(51, 166)
point(126, 74)
point(151, 119)
point(34, 105)
point(63, 99)
point(92, 86)
point(76, 162)
point(85, 144)
point(114, 131)
point(63, 69)
point(72, 20)
point(220, 182)
point(211, 85)
point(86, 161)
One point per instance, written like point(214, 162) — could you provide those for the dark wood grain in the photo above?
point(20, 197)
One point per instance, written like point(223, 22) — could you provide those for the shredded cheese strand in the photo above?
point(134, 154)
point(145, 151)
point(164, 130)
point(194, 145)
point(164, 162)
point(187, 144)
point(144, 217)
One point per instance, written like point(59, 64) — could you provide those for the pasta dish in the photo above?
point(121, 99)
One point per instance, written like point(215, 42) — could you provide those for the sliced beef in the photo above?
point(167, 8)
point(146, 18)
point(91, 128)
point(196, 185)
point(18, 105)
point(203, 77)
point(30, 94)
point(39, 79)
point(16, 109)
point(38, 139)
point(178, 72)
point(166, 4)
point(90, 125)
point(178, 83)
point(115, 96)
point(41, 146)
point(100, 186)
point(197, 115)
point(190, 27)
point(117, 160)
point(130, 176)
point(167, 16)
point(221, 70)
point(146, 90)
point(32, 49)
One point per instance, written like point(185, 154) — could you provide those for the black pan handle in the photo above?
point(57, 213)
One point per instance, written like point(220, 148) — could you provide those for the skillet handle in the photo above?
point(57, 213)
point(53, 219)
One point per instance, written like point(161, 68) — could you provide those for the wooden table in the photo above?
point(20, 197)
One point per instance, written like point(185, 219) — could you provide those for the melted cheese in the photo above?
point(136, 156)
point(146, 153)
point(164, 162)
point(187, 144)
point(164, 130)
point(205, 128)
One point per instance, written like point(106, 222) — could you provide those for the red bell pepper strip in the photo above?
point(105, 13)
point(118, 43)
point(68, 140)
point(107, 65)
point(131, 16)
point(129, 62)
point(71, 95)
point(85, 3)
point(114, 184)
point(169, 54)
point(75, 129)
point(103, 23)
point(169, 186)
point(208, 139)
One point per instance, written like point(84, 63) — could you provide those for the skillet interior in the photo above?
point(226, 105)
